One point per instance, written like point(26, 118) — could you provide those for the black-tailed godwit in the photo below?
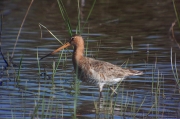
point(94, 71)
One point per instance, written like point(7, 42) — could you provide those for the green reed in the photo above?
point(89, 14)
point(76, 89)
point(176, 12)
point(19, 32)
point(37, 56)
point(55, 67)
point(66, 19)
point(46, 107)
point(157, 91)
point(19, 70)
point(37, 105)
point(41, 25)
point(65, 16)
point(174, 68)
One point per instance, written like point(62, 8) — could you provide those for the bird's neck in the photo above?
point(78, 55)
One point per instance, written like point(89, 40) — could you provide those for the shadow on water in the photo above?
point(108, 38)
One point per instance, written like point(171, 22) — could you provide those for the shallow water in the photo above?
point(108, 34)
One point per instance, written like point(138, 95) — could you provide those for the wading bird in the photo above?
point(94, 71)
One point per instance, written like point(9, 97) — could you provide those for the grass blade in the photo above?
point(65, 16)
point(89, 13)
point(40, 25)
point(176, 13)
point(21, 28)
point(19, 70)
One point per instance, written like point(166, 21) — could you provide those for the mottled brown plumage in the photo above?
point(95, 71)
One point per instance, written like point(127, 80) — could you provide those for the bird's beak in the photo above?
point(60, 48)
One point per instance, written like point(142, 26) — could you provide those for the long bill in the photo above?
point(60, 48)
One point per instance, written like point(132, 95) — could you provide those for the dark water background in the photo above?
point(108, 35)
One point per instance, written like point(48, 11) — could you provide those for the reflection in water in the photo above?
point(100, 107)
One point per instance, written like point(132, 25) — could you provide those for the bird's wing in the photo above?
point(106, 69)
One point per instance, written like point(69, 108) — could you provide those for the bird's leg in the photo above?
point(100, 94)
point(100, 89)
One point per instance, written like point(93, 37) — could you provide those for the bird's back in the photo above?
point(96, 71)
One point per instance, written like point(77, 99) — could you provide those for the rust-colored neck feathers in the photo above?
point(78, 53)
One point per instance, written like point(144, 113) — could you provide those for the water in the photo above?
point(108, 34)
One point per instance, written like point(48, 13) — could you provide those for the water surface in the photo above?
point(110, 30)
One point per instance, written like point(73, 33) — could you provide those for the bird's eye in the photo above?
point(72, 38)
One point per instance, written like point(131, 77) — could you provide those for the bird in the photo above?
point(94, 71)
